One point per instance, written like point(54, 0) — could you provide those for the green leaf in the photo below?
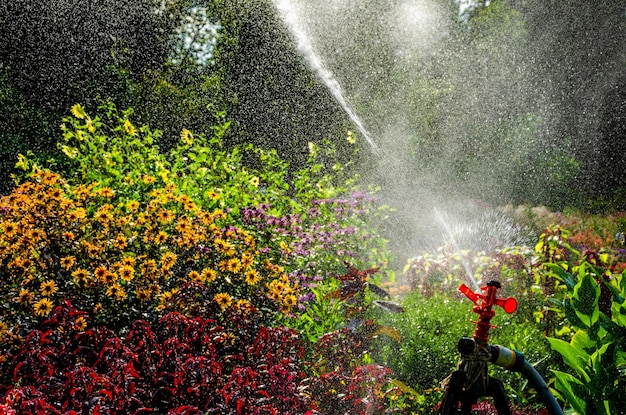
point(618, 313)
point(585, 299)
point(571, 389)
point(581, 340)
point(574, 357)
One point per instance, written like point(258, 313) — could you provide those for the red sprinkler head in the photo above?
point(482, 307)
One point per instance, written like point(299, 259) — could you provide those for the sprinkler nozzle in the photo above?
point(483, 307)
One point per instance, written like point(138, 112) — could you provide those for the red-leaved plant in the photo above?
point(186, 366)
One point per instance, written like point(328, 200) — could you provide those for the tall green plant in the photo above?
point(594, 306)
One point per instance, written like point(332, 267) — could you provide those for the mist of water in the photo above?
point(457, 248)
point(392, 60)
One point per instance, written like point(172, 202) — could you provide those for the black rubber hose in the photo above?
point(514, 361)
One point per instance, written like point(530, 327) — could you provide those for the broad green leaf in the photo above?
point(585, 299)
point(571, 389)
point(596, 360)
point(581, 340)
point(574, 357)
point(618, 313)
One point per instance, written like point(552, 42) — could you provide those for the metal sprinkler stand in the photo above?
point(470, 381)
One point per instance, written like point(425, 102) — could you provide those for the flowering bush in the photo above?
point(133, 285)
point(308, 221)
point(124, 259)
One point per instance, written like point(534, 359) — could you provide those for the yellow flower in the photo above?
point(351, 138)
point(117, 292)
point(183, 225)
point(129, 260)
point(290, 300)
point(143, 294)
point(164, 175)
point(97, 308)
point(254, 181)
point(78, 111)
point(224, 247)
point(120, 242)
point(195, 276)
point(130, 128)
point(90, 127)
point(165, 216)
point(234, 265)
point(10, 228)
point(186, 137)
point(27, 279)
point(225, 338)
point(224, 300)
point(209, 275)
point(101, 273)
point(80, 324)
point(36, 234)
point(168, 260)
point(285, 247)
point(252, 277)
point(69, 236)
point(212, 194)
point(247, 260)
point(132, 206)
point(48, 288)
point(43, 307)
point(161, 238)
point(81, 276)
point(76, 214)
point(249, 241)
point(126, 272)
point(55, 193)
point(25, 297)
point(25, 263)
point(148, 179)
point(148, 269)
point(106, 192)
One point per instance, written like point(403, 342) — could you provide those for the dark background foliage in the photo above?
point(59, 52)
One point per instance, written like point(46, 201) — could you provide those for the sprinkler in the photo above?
point(471, 381)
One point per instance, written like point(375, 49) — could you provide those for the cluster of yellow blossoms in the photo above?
point(107, 253)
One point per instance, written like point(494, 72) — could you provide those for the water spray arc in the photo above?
point(457, 248)
point(288, 13)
